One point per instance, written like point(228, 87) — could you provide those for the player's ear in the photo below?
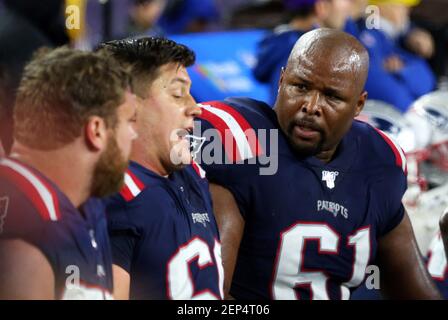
point(95, 133)
point(360, 104)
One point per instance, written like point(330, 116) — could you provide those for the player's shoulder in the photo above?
point(138, 211)
point(244, 113)
point(240, 125)
point(30, 195)
point(146, 197)
point(140, 187)
point(377, 148)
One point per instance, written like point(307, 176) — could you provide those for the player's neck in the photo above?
point(70, 173)
point(327, 155)
point(150, 161)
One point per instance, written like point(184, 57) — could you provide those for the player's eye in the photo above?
point(334, 98)
point(177, 93)
point(301, 87)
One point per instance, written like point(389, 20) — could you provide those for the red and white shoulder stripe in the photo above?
point(239, 138)
point(400, 158)
point(132, 186)
point(198, 169)
point(39, 192)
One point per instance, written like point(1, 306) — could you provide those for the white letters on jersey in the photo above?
point(437, 263)
point(180, 284)
point(289, 272)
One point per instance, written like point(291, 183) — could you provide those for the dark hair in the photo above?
point(144, 57)
point(60, 90)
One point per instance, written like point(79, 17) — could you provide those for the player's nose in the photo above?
point(310, 104)
point(194, 110)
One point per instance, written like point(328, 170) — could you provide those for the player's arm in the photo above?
point(25, 273)
point(403, 272)
point(231, 227)
point(123, 243)
point(122, 283)
point(444, 230)
point(123, 237)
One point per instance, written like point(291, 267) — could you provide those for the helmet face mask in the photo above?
point(439, 155)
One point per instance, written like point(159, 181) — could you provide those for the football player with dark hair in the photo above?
point(311, 229)
point(74, 117)
point(164, 236)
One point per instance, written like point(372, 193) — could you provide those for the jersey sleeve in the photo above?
point(392, 182)
point(21, 218)
point(230, 144)
point(131, 223)
point(232, 178)
point(123, 231)
point(393, 189)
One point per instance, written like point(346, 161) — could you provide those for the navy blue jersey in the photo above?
point(437, 265)
point(164, 234)
point(311, 228)
point(75, 242)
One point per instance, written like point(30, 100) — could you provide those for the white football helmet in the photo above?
point(429, 117)
point(420, 133)
point(388, 119)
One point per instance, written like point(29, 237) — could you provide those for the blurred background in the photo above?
point(230, 36)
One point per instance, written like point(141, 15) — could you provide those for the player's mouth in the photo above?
point(305, 130)
point(183, 134)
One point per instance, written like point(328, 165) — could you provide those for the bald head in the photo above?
point(321, 91)
point(338, 51)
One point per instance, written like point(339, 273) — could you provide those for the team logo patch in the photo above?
point(201, 218)
point(196, 144)
point(330, 178)
point(4, 202)
point(436, 118)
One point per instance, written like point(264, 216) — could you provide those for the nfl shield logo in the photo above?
point(329, 177)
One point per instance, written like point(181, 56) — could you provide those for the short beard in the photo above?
point(302, 151)
point(108, 176)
